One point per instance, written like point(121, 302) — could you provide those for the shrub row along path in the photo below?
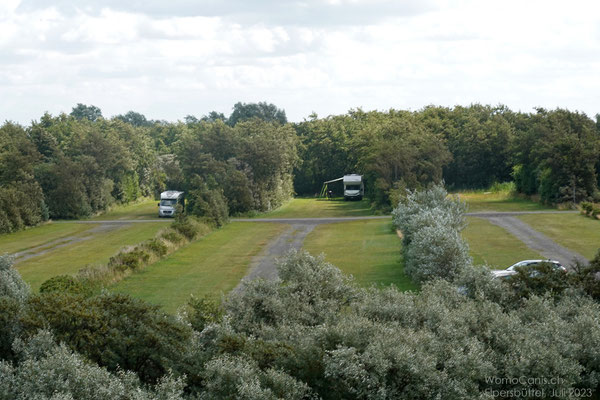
point(264, 265)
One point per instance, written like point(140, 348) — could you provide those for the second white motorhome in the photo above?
point(168, 203)
point(354, 187)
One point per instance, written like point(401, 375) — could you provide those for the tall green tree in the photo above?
point(262, 110)
point(82, 111)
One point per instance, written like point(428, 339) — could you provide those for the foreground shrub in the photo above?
point(443, 342)
point(63, 284)
point(10, 325)
point(236, 377)
point(202, 312)
point(113, 330)
point(11, 284)
point(313, 291)
point(50, 371)
point(311, 334)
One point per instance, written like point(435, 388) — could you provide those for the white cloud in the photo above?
point(192, 59)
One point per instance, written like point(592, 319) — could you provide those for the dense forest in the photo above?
point(76, 165)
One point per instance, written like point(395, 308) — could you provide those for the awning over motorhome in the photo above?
point(335, 180)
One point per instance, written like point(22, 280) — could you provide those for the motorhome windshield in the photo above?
point(352, 187)
point(168, 202)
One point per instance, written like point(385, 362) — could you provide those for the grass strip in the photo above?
point(499, 201)
point(40, 236)
point(320, 208)
point(494, 246)
point(573, 231)
point(368, 249)
point(98, 249)
point(212, 265)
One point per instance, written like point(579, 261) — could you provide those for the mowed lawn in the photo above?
point(573, 231)
point(494, 246)
point(500, 201)
point(367, 249)
point(97, 247)
point(320, 208)
point(212, 265)
point(145, 209)
point(39, 236)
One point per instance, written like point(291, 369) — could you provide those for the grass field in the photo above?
point(320, 208)
point(97, 249)
point(499, 201)
point(145, 209)
point(39, 236)
point(573, 231)
point(492, 245)
point(212, 265)
point(368, 249)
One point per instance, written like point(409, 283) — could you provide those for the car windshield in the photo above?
point(168, 202)
point(352, 187)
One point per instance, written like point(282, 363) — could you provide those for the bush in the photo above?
point(21, 206)
point(129, 260)
point(210, 205)
point(172, 236)
point(156, 246)
point(10, 326)
point(11, 283)
point(229, 377)
point(436, 251)
point(431, 223)
point(50, 371)
point(590, 209)
point(203, 311)
point(189, 227)
point(113, 330)
point(63, 284)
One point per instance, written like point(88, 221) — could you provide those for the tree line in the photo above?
point(550, 153)
point(77, 165)
point(72, 166)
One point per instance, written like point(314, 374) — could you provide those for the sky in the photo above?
point(170, 59)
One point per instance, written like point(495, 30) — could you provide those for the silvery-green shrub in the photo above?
point(228, 377)
point(49, 371)
point(422, 207)
point(436, 251)
point(309, 291)
point(11, 283)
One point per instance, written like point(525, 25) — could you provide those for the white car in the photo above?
point(512, 270)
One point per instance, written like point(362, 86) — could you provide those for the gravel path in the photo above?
point(536, 240)
point(514, 213)
point(264, 265)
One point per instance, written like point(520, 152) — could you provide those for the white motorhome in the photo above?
point(168, 203)
point(354, 187)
